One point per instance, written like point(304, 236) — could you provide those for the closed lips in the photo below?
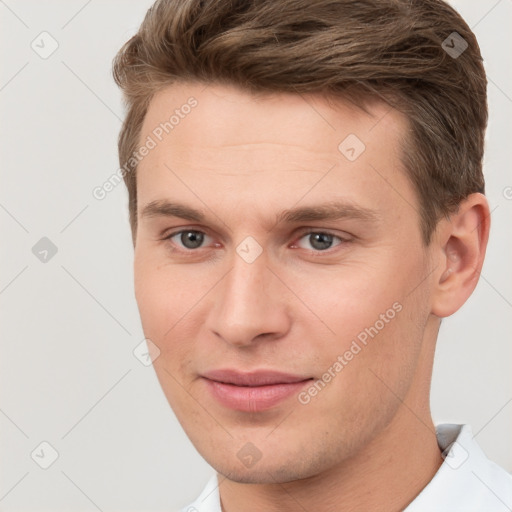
point(254, 378)
point(253, 392)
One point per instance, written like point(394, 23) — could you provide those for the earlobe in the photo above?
point(462, 242)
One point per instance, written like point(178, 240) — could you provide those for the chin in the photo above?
point(261, 475)
point(273, 469)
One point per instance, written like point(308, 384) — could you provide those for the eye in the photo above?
point(189, 239)
point(320, 240)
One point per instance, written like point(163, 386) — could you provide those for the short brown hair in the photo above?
point(398, 50)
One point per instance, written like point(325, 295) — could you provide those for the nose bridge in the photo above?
point(246, 284)
point(245, 305)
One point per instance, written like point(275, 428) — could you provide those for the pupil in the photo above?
point(191, 239)
point(321, 240)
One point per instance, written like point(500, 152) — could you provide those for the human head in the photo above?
point(284, 310)
point(375, 48)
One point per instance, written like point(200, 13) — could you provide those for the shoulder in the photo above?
point(467, 480)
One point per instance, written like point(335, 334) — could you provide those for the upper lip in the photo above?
point(252, 378)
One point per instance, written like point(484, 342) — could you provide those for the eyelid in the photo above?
point(309, 231)
point(170, 234)
point(306, 231)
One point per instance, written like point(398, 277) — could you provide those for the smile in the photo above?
point(252, 392)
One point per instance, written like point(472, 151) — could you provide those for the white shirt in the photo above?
point(466, 481)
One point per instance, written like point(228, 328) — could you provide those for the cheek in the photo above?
point(156, 293)
point(168, 299)
point(163, 301)
point(359, 393)
point(347, 300)
point(164, 294)
point(151, 298)
point(376, 329)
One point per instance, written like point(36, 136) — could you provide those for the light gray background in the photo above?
point(67, 372)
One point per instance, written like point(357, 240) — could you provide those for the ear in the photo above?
point(458, 252)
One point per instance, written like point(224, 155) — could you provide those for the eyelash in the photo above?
point(190, 252)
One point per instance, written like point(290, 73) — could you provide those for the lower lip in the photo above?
point(252, 398)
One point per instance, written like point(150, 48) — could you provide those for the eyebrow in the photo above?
point(332, 210)
point(164, 208)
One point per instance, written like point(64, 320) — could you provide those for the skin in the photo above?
point(366, 441)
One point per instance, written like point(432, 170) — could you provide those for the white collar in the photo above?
point(466, 481)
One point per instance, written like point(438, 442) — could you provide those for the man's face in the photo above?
point(256, 288)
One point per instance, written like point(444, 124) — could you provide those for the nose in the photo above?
point(249, 304)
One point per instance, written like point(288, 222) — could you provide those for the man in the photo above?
point(307, 203)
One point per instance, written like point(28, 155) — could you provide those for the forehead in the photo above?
point(221, 112)
point(220, 142)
